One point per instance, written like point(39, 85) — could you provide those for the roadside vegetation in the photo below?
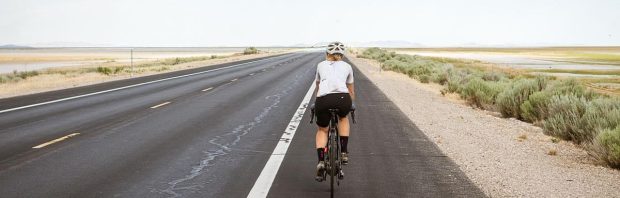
point(110, 68)
point(17, 76)
point(250, 50)
point(565, 108)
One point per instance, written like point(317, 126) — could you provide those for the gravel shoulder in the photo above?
point(504, 157)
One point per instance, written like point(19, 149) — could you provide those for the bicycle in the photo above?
point(333, 164)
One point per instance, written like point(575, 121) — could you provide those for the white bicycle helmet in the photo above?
point(335, 48)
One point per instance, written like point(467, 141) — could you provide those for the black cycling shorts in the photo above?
point(340, 101)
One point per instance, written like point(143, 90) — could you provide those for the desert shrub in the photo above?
point(509, 101)
point(455, 80)
point(566, 109)
point(565, 112)
point(27, 74)
point(404, 58)
point(250, 50)
point(571, 86)
point(214, 56)
point(413, 68)
point(440, 76)
point(534, 109)
point(607, 147)
point(419, 70)
point(423, 69)
point(177, 60)
point(424, 78)
point(394, 65)
point(543, 81)
point(492, 76)
point(118, 70)
point(8, 78)
point(17, 76)
point(104, 70)
point(600, 113)
point(377, 54)
point(171, 61)
point(160, 69)
point(480, 93)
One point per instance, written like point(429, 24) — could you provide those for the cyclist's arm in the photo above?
point(351, 90)
point(316, 89)
point(317, 79)
point(350, 86)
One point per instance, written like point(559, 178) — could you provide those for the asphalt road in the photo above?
point(210, 134)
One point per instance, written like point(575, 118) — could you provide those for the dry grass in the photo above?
point(522, 137)
point(552, 152)
point(609, 86)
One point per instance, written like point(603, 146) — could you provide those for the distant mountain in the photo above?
point(10, 46)
point(386, 44)
point(300, 45)
point(70, 44)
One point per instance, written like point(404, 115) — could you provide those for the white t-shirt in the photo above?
point(333, 77)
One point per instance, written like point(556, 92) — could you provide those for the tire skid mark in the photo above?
point(226, 141)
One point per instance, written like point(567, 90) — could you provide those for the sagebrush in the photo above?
point(565, 108)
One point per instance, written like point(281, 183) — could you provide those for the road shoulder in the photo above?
point(504, 157)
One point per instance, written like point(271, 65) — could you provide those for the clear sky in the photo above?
point(289, 22)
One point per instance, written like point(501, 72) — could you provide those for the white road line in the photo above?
point(159, 105)
point(233, 80)
point(268, 174)
point(56, 140)
point(207, 89)
point(127, 87)
point(252, 74)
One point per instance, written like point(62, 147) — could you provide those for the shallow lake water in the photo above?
point(519, 61)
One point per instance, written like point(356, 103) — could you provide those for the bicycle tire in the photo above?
point(332, 162)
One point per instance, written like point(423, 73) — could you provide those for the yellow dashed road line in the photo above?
point(56, 140)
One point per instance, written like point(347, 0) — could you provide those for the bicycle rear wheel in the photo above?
point(333, 154)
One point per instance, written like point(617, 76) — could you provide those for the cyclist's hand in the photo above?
point(352, 106)
point(312, 107)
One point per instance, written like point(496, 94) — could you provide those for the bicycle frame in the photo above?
point(333, 163)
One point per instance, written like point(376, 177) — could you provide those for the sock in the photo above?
point(344, 140)
point(321, 153)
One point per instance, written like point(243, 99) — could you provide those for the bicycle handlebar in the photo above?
point(312, 116)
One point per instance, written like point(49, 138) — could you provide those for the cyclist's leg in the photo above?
point(343, 127)
point(321, 141)
point(343, 123)
point(343, 131)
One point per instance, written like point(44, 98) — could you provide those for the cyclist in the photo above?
point(334, 90)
